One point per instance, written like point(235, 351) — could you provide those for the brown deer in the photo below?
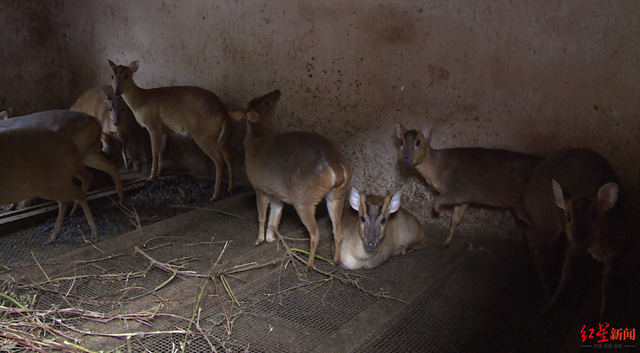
point(377, 230)
point(575, 192)
point(186, 110)
point(463, 176)
point(298, 168)
point(45, 169)
point(81, 128)
point(111, 112)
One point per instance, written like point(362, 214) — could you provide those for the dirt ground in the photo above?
point(147, 286)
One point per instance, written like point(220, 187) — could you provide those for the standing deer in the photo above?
point(575, 192)
point(463, 176)
point(377, 230)
point(111, 112)
point(186, 110)
point(42, 163)
point(299, 168)
point(81, 128)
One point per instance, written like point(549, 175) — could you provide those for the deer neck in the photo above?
point(134, 96)
point(428, 166)
point(254, 133)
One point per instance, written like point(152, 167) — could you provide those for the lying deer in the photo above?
point(463, 176)
point(186, 110)
point(45, 169)
point(111, 112)
point(299, 168)
point(576, 192)
point(80, 128)
point(378, 230)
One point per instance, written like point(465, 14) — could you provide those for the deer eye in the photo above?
point(111, 77)
point(362, 219)
point(110, 109)
point(126, 76)
point(568, 217)
point(401, 143)
point(383, 221)
point(418, 143)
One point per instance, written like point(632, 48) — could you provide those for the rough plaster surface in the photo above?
point(33, 67)
point(531, 76)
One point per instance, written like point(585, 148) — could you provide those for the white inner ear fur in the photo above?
point(237, 115)
point(426, 131)
point(354, 199)
point(134, 65)
point(608, 195)
point(394, 205)
point(400, 130)
point(253, 117)
point(557, 194)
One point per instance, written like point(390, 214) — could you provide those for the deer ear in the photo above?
point(400, 130)
point(4, 115)
point(354, 199)
point(607, 196)
point(237, 115)
point(395, 202)
point(113, 66)
point(558, 195)
point(104, 96)
point(253, 116)
point(134, 65)
point(426, 131)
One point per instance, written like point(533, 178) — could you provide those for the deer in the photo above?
point(575, 193)
point(186, 110)
point(111, 112)
point(377, 230)
point(45, 169)
point(463, 176)
point(81, 128)
point(298, 168)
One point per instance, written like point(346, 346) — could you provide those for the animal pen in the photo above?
point(175, 271)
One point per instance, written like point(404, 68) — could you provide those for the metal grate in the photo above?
point(457, 312)
point(301, 318)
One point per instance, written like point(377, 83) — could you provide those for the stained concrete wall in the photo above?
point(531, 75)
point(33, 68)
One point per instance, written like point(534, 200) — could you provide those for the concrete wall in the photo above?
point(529, 75)
point(33, 68)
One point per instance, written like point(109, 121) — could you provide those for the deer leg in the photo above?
point(307, 215)
point(335, 203)
point(262, 202)
point(124, 150)
point(606, 275)
point(229, 162)
point(564, 277)
point(156, 143)
point(536, 252)
point(456, 217)
point(62, 209)
point(95, 160)
point(85, 178)
point(275, 214)
point(209, 147)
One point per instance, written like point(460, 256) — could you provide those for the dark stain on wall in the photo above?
point(32, 55)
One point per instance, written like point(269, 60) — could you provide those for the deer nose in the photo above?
point(117, 92)
point(370, 245)
point(406, 161)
